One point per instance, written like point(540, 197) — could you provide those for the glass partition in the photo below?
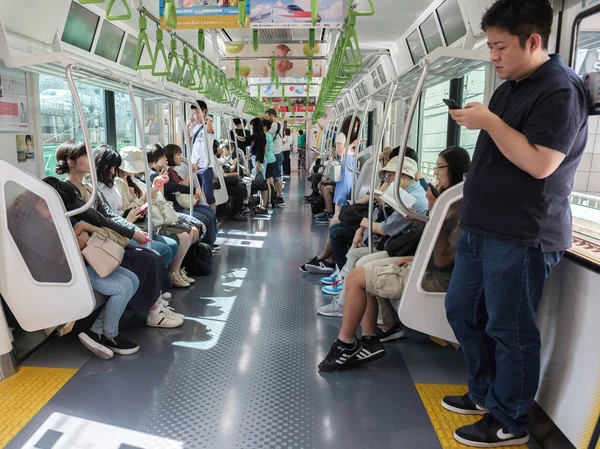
point(473, 88)
point(434, 124)
point(124, 120)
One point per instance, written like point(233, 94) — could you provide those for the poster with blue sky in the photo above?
point(295, 14)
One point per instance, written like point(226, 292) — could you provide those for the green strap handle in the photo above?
point(86, 2)
point(202, 79)
point(201, 41)
point(311, 38)
point(310, 69)
point(187, 68)
point(277, 83)
point(282, 93)
point(196, 73)
point(143, 42)
point(242, 13)
point(370, 12)
point(159, 52)
point(314, 10)
point(125, 16)
point(273, 69)
point(174, 59)
point(255, 39)
point(170, 14)
point(237, 67)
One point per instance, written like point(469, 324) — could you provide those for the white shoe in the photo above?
point(164, 318)
point(185, 276)
point(166, 296)
point(171, 312)
point(178, 281)
point(333, 309)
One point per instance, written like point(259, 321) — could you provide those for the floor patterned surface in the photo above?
point(24, 394)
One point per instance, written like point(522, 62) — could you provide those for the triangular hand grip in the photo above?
point(143, 42)
point(160, 54)
point(174, 67)
point(109, 8)
point(86, 2)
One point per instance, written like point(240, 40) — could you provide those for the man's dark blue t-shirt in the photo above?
point(500, 200)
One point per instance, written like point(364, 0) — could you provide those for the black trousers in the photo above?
point(238, 191)
point(287, 163)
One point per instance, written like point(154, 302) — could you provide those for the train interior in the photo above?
point(240, 369)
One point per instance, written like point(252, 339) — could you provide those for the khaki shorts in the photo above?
point(386, 281)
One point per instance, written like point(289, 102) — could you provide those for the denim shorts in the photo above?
point(278, 164)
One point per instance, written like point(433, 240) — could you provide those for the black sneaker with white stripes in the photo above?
point(314, 261)
point(120, 345)
point(371, 350)
point(462, 405)
point(339, 354)
point(489, 432)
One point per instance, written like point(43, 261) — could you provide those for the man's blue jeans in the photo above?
point(491, 305)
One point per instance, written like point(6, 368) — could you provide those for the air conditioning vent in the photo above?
point(375, 76)
point(381, 73)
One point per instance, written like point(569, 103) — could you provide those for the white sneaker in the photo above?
point(333, 309)
point(185, 276)
point(170, 311)
point(178, 281)
point(166, 296)
point(164, 318)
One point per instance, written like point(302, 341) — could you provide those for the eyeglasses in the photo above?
point(439, 167)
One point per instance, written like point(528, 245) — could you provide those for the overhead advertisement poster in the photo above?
point(261, 68)
point(201, 14)
point(291, 91)
point(296, 14)
point(14, 115)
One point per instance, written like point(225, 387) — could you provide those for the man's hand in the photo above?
point(474, 116)
point(404, 261)
point(358, 238)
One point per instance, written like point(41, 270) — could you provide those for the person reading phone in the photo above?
point(516, 217)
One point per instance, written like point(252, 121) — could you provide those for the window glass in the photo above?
point(128, 58)
point(168, 136)
point(587, 54)
point(435, 124)
point(152, 112)
point(473, 91)
point(32, 229)
point(109, 41)
point(125, 121)
point(453, 25)
point(431, 34)
point(80, 27)
point(60, 122)
point(417, 52)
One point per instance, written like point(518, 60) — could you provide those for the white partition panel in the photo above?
point(42, 275)
point(419, 309)
point(221, 195)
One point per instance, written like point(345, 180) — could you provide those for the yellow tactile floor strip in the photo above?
point(445, 422)
point(24, 394)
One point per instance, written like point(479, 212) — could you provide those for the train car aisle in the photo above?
point(242, 371)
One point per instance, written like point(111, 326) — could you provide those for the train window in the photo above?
point(451, 20)
point(60, 122)
point(128, 58)
point(109, 41)
point(80, 27)
point(152, 113)
point(585, 198)
point(32, 229)
point(441, 264)
point(473, 91)
point(125, 122)
point(415, 46)
point(434, 124)
point(431, 34)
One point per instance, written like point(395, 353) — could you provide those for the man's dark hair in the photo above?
point(237, 121)
point(410, 152)
point(65, 190)
point(300, 132)
point(155, 153)
point(271, 112)
point(202, 105)
point(521, 18)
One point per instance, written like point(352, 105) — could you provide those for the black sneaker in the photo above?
point(320, 267)
point(280, 200)
point(120, 345)
point(216, 247)
point(394, 333)
point(462, 405)
point(322, 215)
point(339, 354)
point(313, 261)
point(489, 432)
point(371, 350)
point(95, 343)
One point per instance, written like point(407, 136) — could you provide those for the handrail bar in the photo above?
point(355, 171)
point(86, 142)
point(425, 64)
point(140, 128)
point(378, 149)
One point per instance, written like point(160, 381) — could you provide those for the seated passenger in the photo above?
point(145, 263)
point(386, 278)
point(178, 185)
point(235, 187)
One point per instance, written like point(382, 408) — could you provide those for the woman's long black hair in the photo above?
point(106, 158)
point(346, 128)
point(458, 161)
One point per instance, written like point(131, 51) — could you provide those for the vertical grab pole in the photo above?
point(140, 127)
point(360, 130)
point(86, 140)
point(350, 132)
point(411, 112)
point(188, 144)
point(378, 147)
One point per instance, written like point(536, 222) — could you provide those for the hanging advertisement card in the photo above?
point(25, 148)
point(296, 14)
point(203, 14)
point(261, 68)
point(14, 115)
point(271, 90)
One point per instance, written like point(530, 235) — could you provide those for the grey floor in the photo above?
point(242, 371)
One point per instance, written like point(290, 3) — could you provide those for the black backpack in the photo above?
point(198, 260)
point(318, 205)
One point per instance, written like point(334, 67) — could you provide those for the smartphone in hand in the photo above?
point(451, 103)
point(435, 191)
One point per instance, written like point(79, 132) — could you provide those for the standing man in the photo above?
point(195, 131)
point(516, 217)
point(277, 132)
